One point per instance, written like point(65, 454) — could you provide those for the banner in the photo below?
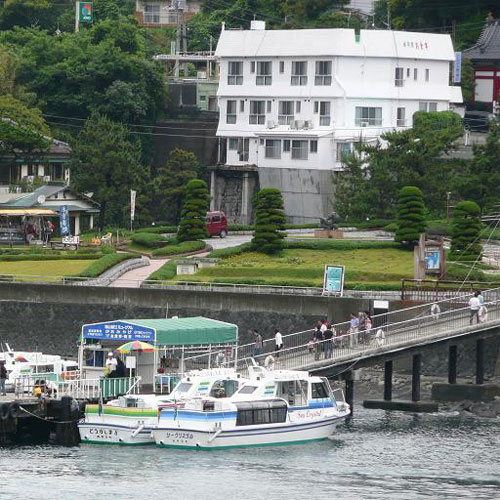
point(457, 68)
point(64, 225)
point(334, 280)
point(118, 330)
point(86, 12)
point(132, 204)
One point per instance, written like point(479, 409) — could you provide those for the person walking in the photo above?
point(328, 341)
point(361, 327)
point(474, 306)
point(111, 364)
point(3, 377)
point(278, 340)
point(368, 327)
point(257, 348)
point(353, 329)
point(318, 336)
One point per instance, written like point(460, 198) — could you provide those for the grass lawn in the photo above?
point(49, 268)
point(302, 267)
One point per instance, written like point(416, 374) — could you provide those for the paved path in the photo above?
point(134, 278)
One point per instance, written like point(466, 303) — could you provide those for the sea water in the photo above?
point(377, 455)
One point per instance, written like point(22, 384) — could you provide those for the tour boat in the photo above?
point(272, 408)
point(130, 419)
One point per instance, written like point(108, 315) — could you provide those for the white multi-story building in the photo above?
point(292, 102)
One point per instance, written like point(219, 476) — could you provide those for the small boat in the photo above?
point(272, 408)
point(130, 419)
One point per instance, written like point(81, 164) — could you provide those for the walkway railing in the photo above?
point(406, 326)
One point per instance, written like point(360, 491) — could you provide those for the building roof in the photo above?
point(488, 44)
point(334, 42)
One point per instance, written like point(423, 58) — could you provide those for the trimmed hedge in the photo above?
point(184, 247)
point(42, 257)
point(148, 240)
point(228, 252)
point(465, 241)
point(165, 273)
point(410, 218)
point(103, 264)
point(339, 244)
point(158, 229)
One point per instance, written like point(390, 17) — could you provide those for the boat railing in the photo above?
point(165, 382)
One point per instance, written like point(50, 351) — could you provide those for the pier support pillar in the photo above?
point(452, 364)
point(479, 361)
point(388, 381)
point(415, 379)
point(349, 390)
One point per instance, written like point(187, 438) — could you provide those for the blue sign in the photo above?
point(457, 68)
point(334, 279)
point(432, 258)
point(118, 330)
point(64, 226)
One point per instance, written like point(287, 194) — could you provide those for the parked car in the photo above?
point(217, 224)
point(478, 121)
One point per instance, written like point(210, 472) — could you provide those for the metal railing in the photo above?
point(429, 290)
point(413, 324)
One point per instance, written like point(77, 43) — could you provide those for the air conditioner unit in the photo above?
point(294, 125)
point(365, 124)
point(46, 178)
point(308, 124)
point(300, 123)
point(271, 124)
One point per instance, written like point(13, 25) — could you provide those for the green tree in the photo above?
point(23, 132)
point(410, 217)
point(466, 228)
point(468, 81)
point(106, 162)
point(169, 184)
point(194, 211)
point(268, 236)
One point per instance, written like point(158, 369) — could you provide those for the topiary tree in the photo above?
point(466, 228)
point(268, 236)
point(194, 211)
point(410, 216)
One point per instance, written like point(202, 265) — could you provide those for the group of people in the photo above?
point(477, 308)
point(114, 366)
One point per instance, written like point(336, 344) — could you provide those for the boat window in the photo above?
point(319, 390)
point(43, 369)
point(293, 391)
point(261, 412)
point(183, 387)
point(247, 389)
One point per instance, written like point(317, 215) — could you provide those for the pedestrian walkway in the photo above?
point(135, 277)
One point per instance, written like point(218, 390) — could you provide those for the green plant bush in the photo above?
point(391, 227)
point(158, 229)
point(461, 273)
point(184, 247)
point(367, 224)
point(490, 233)
point(338, 244)
point(166, 272)
point(465, 241)
point(148, 240)
point(410, 216)
point(268, 236)
point(43, 257)
point(104, 263)
point(228, 252)
point(194, 212)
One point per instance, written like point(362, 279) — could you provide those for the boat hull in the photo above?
point(171, 437)
point(106, 433)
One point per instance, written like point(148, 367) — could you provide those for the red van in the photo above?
point(217, 224)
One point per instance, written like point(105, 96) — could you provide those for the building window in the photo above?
point(252, 66)
point(299, 73)
point(285, 112)
point(415, 74)
point(408, 72)
point(427, 75)
point(323, 73)
point(297, 107)
point(269, 106)
point(324, 113)
point(152, 13)
point(232, 144)
point(427, 106)
point(299, 150)
point(398, 77)
point(344, 149)
point(368, 117)
point(243, 148)
point(242, 106)
point(235, 73)
point(282, 66)
point(273, 148)
point(316, 106)
point(257, 113)
point(401, 120)
point(231, 112)
point(286, 146)
point(264, 73)
point(313, 146)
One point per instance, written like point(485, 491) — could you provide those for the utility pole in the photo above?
point(77, 16)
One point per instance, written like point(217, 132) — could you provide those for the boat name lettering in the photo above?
point(103, 433)
point(178, 436)
point(308, 414)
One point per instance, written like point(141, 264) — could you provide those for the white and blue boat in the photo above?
point(272, 408)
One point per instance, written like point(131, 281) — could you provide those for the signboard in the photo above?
point(457, 68)
point(334, 279)
point(64, 225)
point(132, 204)
point(86, 12)
point(118, 330)
point(432, 259)
point(130, 362)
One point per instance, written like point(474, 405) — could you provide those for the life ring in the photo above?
point(435, 311)
point(4, 411)
point(483, 314)
point(269, 362)
point(14, 410)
